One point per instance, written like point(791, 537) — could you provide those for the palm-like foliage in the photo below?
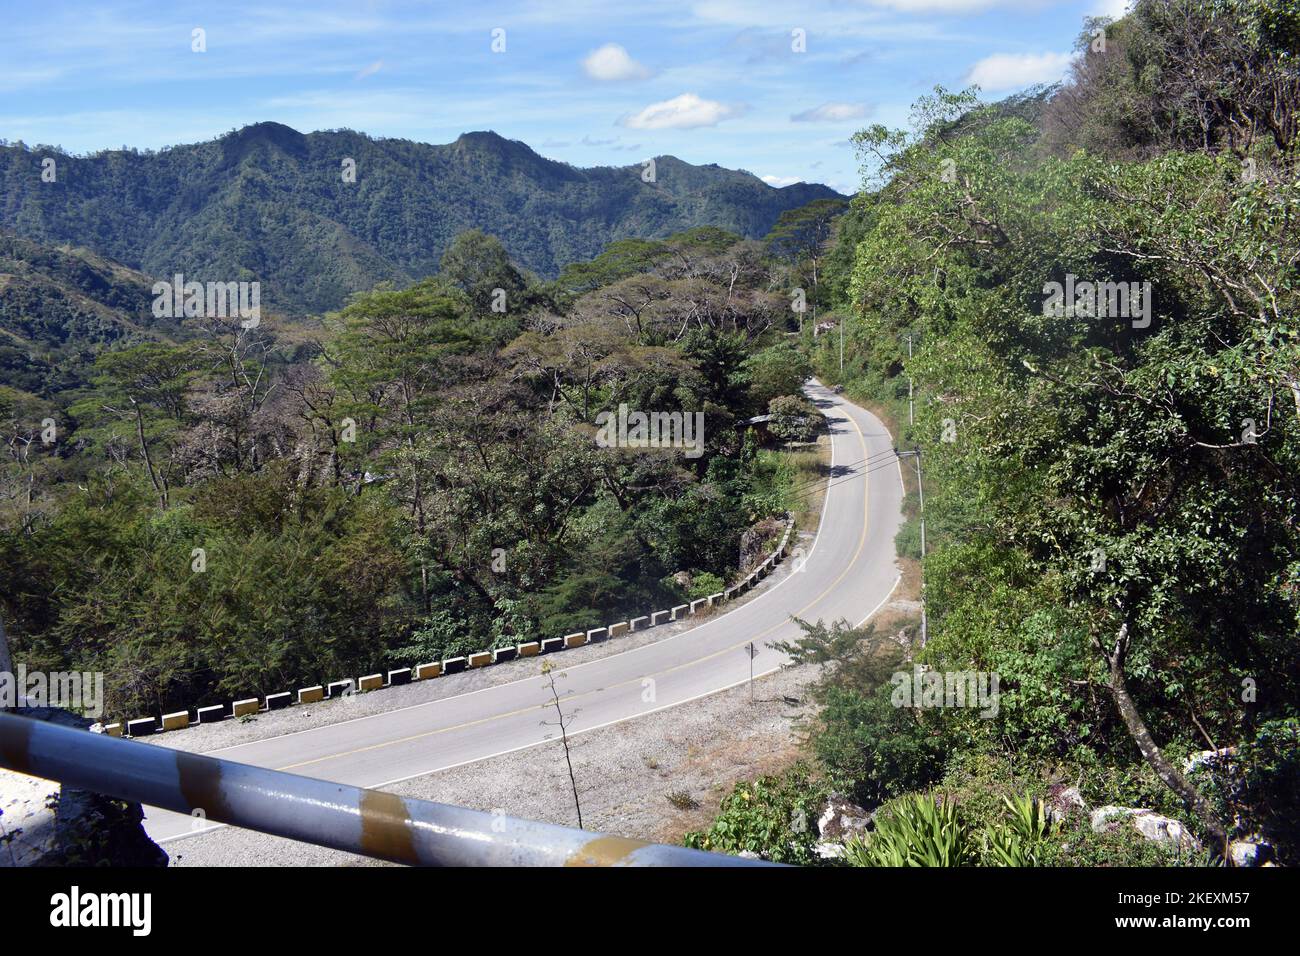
point(920, 830)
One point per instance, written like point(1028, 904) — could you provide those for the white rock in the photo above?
point(1204, 758)
point(1065, 802)
point(829, 851)
point(841, 819)
point(1153, 826)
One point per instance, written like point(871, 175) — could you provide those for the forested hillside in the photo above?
point(317, 217)
point(229, 510)
point(59, 305)
point(1112, 475)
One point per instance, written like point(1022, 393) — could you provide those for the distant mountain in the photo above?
point(271, 204)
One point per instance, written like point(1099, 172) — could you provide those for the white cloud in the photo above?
point(779, 181)
point(938, 6)
point(611, 63)
point(1009, 71)
point(833, 113)
point(687, 111)
point(370, 70)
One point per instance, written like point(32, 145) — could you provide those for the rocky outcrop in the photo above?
point(44, 824)
point(756, 541)
point(840, 821)
point(1153, 826)
point(1064, 802)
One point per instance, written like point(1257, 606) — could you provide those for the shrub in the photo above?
point(683, 800)
point(877, 751)
point(774, 816)
point(704, 584)
point(794, 419)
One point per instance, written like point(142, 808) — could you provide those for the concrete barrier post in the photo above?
point(370, 682)
point(243, 708)
point(428, 671)
point(278, 701)
point(531, 649)
point(480, 659)
point(210, 714)
point(311, 695)
point(399, 677)
point(177, 721)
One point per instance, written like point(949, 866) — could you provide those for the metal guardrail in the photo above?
point(370, 822)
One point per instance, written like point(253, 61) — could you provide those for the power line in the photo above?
point(833, 483)
point(816, 482)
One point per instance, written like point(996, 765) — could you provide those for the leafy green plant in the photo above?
point(1018, 841)
point(774, 816)
point(704, 584)
point(916, 830)
point(924, 830)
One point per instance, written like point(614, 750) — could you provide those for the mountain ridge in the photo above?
point(269, 203)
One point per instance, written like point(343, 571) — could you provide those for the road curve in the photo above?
point(848, 574)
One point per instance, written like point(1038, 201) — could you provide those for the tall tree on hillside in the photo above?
point(800, 237)
point(392, 354)
point(479, 266)
point(140, 399)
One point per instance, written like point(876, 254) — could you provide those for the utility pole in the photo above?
point(911, 417)
point(920, 491)
point(842, 349)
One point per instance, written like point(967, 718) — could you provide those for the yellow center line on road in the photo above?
point(635, 680)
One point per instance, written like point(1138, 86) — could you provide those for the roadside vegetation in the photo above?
point(1112, 498)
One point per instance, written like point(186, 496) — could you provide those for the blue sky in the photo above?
point(714, 81)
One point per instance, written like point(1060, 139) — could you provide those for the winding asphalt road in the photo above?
point(848, 574)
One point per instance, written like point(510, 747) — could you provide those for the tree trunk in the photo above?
point(1151, 752)
point(148, 461)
